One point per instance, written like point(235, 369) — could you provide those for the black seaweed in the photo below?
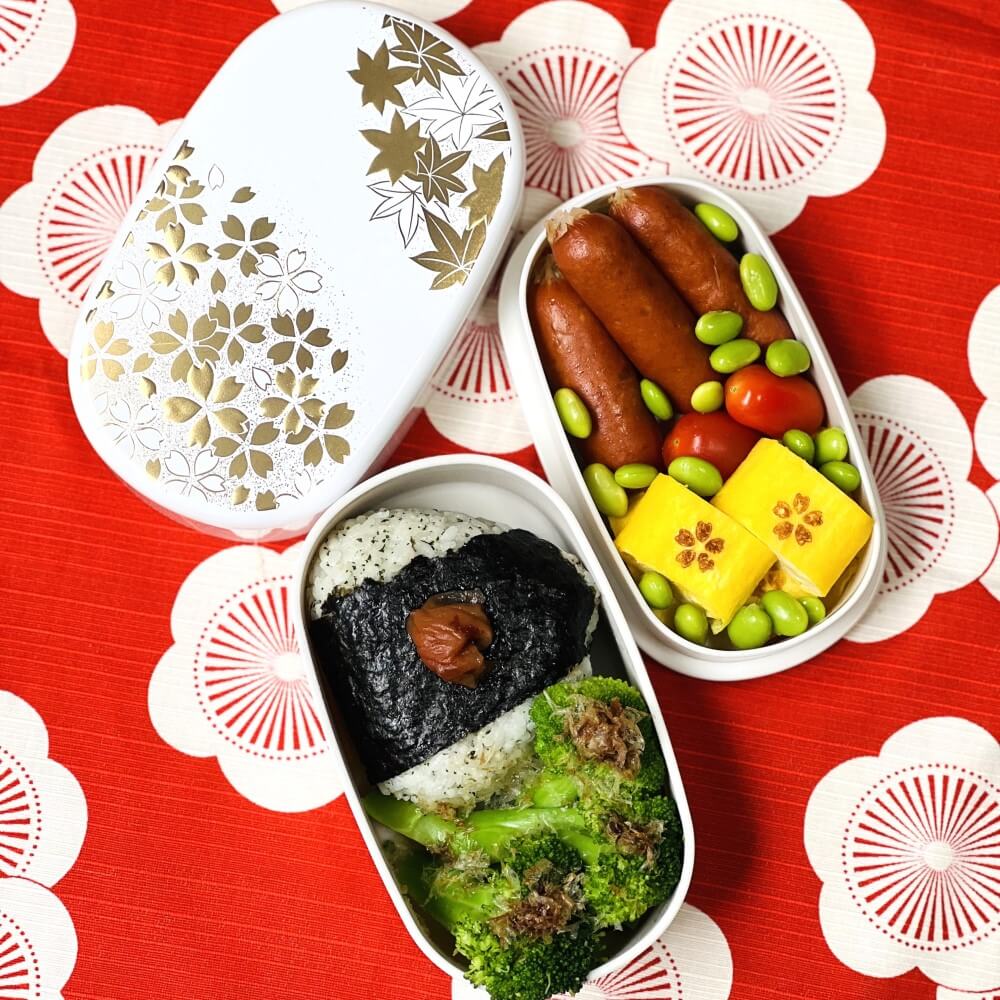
point(400, 712)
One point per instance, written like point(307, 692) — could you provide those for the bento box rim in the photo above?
point(518, 339)
point(523, 481)
point(280, 522)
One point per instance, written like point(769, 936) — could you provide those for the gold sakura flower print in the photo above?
point(380, 81)
point(296, 402)
point(175, 259)
point(193, 343)
point(297, 336)
point(482, 201)
point(246, 451)
point(798, 511)
point(171, 204)
point(426, 53)
point(235, 326)
point(317, 439)
point(397, 148)
point(435, 172)
point(103, 351)
point(208, 406)
point(454, 254)
point(698, 546)
point(250, 246)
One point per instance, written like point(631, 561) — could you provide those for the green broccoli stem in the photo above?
point(490, 830)
point(550, 791)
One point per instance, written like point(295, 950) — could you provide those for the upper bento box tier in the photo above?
point(288, 278)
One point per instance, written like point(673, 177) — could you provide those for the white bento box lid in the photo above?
point(330, 212)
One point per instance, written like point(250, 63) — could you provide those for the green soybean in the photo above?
point(696, 474)
point(731, 357)
point(842, 474)
point(787, 615)
point(717, 221)
point(691, 623)
point(800, 443)
point(719, 327)
point(656, 590)
point(656, 400)
point(609, 497)
point(788, 357)
point(573, 413)
point(635, 475)
point(750, 627)
point(707, 397)
point(831, 445)
point(815, 609)
point(758, 281)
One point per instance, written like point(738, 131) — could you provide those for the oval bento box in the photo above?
point(563, 471)
point(494, 489)
point(294, 267)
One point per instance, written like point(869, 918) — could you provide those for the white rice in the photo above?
point(376, 546)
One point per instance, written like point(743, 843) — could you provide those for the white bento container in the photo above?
point(564, 473)
point(295, 266)
point(494, 489)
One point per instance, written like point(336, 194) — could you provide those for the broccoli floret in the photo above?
point(522, 928)
point(597, 732)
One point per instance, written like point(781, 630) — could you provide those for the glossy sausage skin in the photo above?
point(705, 273)
point(578, 353)
point(633, 300)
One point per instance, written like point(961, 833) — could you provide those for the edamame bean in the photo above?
point(714, 328)
point(635, 476)
point(815, 609)
point(717, 221)
point(787, 615)
point(707, 397)
point(656, 400)
point(842, 474)
point(573, 413)
point(656, 590)
point(758, 281)
point(731, 357)
point(691, 623)
point(609, 497)
point(800, 443)
point(696, 474)
point(788, 357)
point(750, 627)
point(831, 445)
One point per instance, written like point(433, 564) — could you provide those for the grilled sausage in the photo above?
point(705, 273)
point(578, 353)
point(633, 300)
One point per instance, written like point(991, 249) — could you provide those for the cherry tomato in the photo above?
point(714, 437)
point(772, 405)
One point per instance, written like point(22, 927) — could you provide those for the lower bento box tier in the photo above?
point(541, 610)
point(295, 266)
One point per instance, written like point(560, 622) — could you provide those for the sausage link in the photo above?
point(578, 353)
point(705, 273)
point(633, 300)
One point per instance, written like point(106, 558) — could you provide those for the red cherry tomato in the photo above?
point(772, 405)
point(715, 437)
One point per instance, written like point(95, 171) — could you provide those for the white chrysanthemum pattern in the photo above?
point(58, 227)
point(234, 684)
point(433, 10)
point(942, 529)
point(907, 845)
point(36, 38)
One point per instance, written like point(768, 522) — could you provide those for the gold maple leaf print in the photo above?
point(429, 56)
point(380, 81)
point(454, 253)
point(483, 200)
point(435, 171)
point(397, 148)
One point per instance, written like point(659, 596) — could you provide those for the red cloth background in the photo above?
point(183, 888)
